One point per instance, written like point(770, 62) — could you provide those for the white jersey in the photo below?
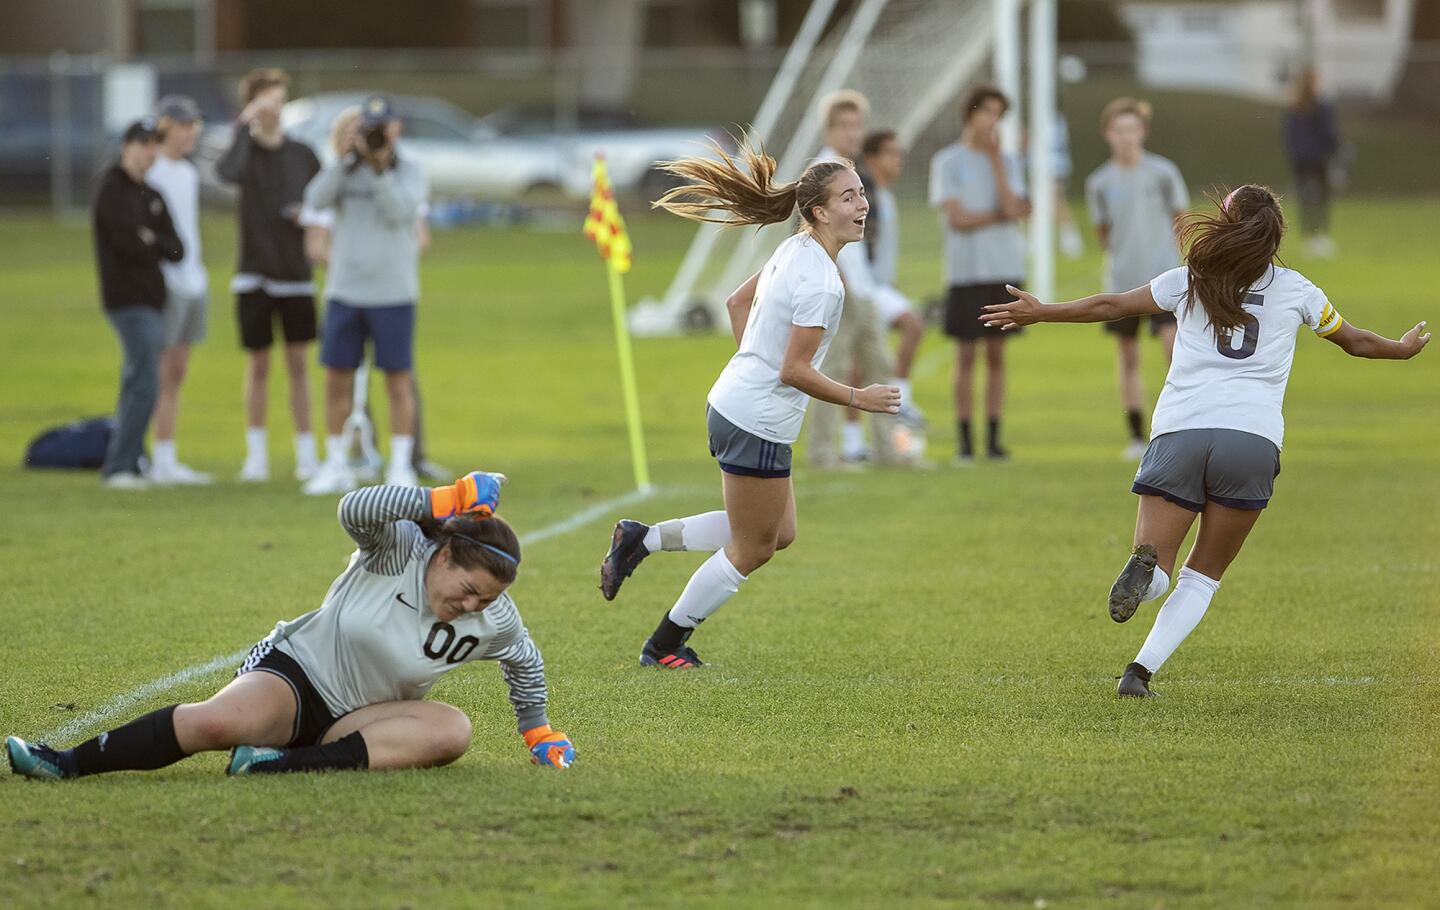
point(178, 183)
point(799, 285)
point(376, 639)
point(1236, 381)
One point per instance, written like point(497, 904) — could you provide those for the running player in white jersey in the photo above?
point(783, 319)
point(1217, 430)
point(344, 685)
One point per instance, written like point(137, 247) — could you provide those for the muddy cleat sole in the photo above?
point(627, 549)
point(683, 659)
point(1135, 683)
point(243, 759)
point(1134, 581)
point(35, 760)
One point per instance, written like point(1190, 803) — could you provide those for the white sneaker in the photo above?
point(254, 471)
point(332, 478)
point(401, 475)
point(305, 470)
point(1071, 246)
point(1135, 450)
point(175, 474)
point(126, 480)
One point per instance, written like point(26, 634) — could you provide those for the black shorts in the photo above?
point(256, 311)
point(965, 304)
point(312, 716)
point(1129, 326)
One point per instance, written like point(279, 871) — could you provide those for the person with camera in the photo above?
point(273, 279)
point(133, 232)
point(372, 285)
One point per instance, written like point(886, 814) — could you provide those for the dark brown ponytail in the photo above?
point(479, 543)
point(744, 189)
point(1229, 250)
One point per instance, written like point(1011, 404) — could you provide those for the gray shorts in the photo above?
point(185, 319)
point(1189, 467)
point(741, 452)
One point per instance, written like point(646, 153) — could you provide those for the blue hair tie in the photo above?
point(480, 543)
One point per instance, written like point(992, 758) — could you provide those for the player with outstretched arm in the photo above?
point(344, 686)
point(783, 319)
point(1217, 429)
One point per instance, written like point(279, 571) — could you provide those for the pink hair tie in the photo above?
point(1225, 205)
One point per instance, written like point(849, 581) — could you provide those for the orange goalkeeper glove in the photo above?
point(549, 747)
point(476, 494)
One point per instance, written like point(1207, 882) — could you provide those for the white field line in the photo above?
point(122, 703)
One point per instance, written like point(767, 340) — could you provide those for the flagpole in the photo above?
point(627, 379)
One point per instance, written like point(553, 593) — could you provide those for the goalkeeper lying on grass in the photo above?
point(344, 686)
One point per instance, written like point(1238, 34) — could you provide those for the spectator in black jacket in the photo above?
point(273, 278)
point(133, 232)
point(1312, 139)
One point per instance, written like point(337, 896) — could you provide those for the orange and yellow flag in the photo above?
point(604, 224)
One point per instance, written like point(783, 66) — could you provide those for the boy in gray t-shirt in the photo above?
point(981, 196)
point(1135, 199)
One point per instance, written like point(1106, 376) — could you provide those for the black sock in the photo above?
point(1132, 417)
point(144, 744)
point(344, 754)
point(992, 434)
point(962, 428)
point(669, 635)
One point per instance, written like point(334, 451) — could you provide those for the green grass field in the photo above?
point(911, 707)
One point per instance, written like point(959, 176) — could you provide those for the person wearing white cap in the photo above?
point(187, 286)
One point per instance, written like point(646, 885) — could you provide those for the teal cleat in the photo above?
point(34, 760)
point(243, 759)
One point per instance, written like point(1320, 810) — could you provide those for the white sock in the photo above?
point(335, 449)
point(852, 439)
point(305, 450)
point(706, 533)
point(1159, 584)
point(708, 589)
point(402, 448)
point(905, 393)
point(164, 455)
point(1182, 612)
point(256, 447)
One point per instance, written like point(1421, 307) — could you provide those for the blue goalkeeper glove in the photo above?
point(477, 495)
point(549, 747)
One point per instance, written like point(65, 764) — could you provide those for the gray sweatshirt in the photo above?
point(374, 257)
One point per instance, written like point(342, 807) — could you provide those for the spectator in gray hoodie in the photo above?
point(372, 286)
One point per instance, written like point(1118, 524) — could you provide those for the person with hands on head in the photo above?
point(133, 233)
point(1218, 427)
point(980, 193)
point(344, 686)
point(783, 319)
point(273, 279)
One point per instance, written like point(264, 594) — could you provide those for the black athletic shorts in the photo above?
point(312, 716)
point(256, 312)
point(1129, 326)
point(965, 304)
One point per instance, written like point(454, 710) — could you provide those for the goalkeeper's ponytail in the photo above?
point(742, 187)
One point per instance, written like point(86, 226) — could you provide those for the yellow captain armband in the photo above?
point(1330, 321)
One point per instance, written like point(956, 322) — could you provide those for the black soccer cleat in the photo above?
point(1135, 683)
point(1134, 581)
point(627, 549)
point(683, 658)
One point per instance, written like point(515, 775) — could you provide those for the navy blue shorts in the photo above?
point(391, 329)
point(742, 452)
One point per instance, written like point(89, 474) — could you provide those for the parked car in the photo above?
point(512, 152)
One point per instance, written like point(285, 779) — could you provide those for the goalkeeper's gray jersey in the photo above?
point(375, 639)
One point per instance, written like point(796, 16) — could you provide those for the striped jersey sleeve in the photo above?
point(1320, 313)
point(522, 668)
point(381, 521)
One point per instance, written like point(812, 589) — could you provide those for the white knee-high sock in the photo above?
point(705, 533)
point(708, 589)
point(1182, 612)
point(1159, 584)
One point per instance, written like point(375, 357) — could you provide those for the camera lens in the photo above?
point(375, 137)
